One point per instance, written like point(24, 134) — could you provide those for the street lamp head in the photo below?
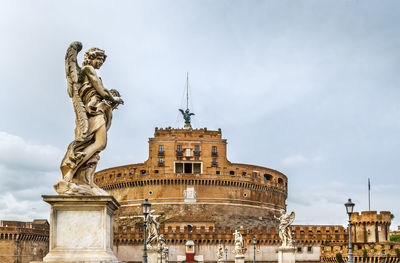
point(349, 207)
point(161, 238)
point(226, 250)
point(146, 207)
point(254, 240)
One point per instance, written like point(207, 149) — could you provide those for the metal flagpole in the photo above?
point(369, 194)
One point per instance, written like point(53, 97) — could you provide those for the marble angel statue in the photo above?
point(152, 229)
point(285, 220)
point(220, 252)
point(93, 105)
point(239, 248)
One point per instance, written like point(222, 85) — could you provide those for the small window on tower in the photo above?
point(179, 148)
point(214, 149)
point(197, 150)
point(187, 153)
point(160, 148)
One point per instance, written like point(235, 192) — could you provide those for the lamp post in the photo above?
point(166, 254)
point(162, 242)
point(146, 210)
point(226, 254)
point(349, 209)
point(254, 244)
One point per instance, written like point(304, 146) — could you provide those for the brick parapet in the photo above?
point(316, 235)
point(371, 217)
point(23, 232)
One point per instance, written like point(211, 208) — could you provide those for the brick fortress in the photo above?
point(190, 182)
point(23, 242)
point(201, 196)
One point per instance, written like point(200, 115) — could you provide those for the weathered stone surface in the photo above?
point(81, 229)
point(286, 254)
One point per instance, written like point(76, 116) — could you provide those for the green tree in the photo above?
point(395, 238)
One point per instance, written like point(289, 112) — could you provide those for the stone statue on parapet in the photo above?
point(152, 230)
point(285, 220)
point(93, 105)
point(186, 116)
point(239, 248)
point(220, 252)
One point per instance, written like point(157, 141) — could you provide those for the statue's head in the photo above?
point(187, 110)
point(94, 57)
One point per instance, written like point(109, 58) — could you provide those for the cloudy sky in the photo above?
point(309, 88)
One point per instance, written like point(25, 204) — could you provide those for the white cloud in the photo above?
point(27, 171)
point(18, 154)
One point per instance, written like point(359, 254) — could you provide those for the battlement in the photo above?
point(37, 230)
point(303, 235)
point(371, 217)
point(190, 133)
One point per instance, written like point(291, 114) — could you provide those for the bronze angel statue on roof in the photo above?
point(186, 116)
point(93, 105)
point(285, 220)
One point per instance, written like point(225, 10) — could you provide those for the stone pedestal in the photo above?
point(239, 258)
point(286, 255)
point(81, 229)
point(153, 256)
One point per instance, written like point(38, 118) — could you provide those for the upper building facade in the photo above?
point(187, 175)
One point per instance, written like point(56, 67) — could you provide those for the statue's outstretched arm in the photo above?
point(98, 85)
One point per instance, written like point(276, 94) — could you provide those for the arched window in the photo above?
point(267, 177)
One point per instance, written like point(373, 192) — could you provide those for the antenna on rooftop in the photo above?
point(187, 90)
point(186, 113)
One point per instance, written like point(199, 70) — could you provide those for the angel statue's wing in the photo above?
point(191, 114)
point(182, 111)
point(72, 71)
point(291, 218)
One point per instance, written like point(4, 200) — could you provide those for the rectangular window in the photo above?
point(188, 168)
point(161, 162)
point(309, 249)
point(178, 168)
point(214, 162)
point(214, 149)
point(255, 175)
point(197, 168)
point(187, 153)
point(196, 150)
point(161, 148)
point(179, 148)
point(299, 249)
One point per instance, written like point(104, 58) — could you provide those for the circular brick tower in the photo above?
point(190, 183)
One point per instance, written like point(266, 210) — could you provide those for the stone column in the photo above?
point(81, 229)
point(286, 255)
